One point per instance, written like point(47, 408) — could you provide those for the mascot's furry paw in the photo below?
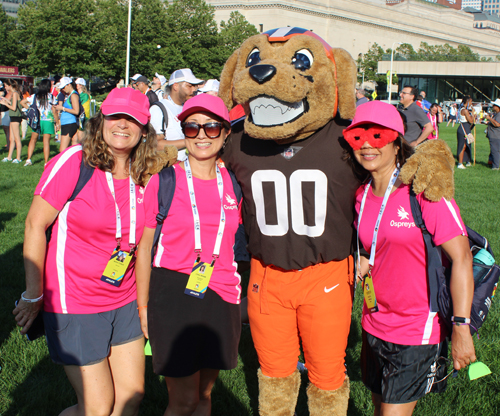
point(278, 395)
point(328, 402)
point(171, 153)
point(431, 170)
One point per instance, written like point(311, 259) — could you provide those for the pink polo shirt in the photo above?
point(83, 238)
point(400, 273)
point(176, 247)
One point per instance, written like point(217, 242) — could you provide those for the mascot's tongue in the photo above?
point(268, 111)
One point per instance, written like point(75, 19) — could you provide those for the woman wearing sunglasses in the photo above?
point(404, 346)
point(189, 302)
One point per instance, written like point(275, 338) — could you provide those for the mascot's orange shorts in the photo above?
point(314, 304)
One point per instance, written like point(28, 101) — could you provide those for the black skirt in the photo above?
point(188, 334)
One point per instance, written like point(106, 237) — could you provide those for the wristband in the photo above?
point(139, 307)
point(31, 300)
point(459, 320)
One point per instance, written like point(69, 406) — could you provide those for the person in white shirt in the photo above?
point(157, 84)
point(182, 86)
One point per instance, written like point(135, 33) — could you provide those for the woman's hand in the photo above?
point(25, 313)
point(462, 347)
point(143, 315)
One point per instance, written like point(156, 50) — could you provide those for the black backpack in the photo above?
point(33, 115)
point(166, 191)
point(165, 116)
point(485, 277)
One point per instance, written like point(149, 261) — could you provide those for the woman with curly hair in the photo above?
point(84, 278)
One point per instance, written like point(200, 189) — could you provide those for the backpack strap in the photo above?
point(434, 263)
point(165, 116)
point(166, 191)
point(86, 173)
point(236, 186)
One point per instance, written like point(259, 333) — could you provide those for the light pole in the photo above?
point(127, 65)
point(390, 72)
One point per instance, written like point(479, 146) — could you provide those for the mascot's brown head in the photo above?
point(291, 83)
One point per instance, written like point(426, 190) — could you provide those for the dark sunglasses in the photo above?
point(212, 129)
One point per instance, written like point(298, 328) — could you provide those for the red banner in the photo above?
point(9, 70)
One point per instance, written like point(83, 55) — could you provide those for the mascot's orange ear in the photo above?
point(346, 83)
point(226, 80)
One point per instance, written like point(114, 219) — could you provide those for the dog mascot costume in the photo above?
point(288, 156)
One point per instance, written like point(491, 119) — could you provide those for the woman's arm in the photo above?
point(24, 103)
point(462, 290)
point(74, 103)
point(40, 216)
point(143, 274)
point(11, 105)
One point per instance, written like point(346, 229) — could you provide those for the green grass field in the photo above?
point(31, 385)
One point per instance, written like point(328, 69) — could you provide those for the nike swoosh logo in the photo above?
point(329, 290)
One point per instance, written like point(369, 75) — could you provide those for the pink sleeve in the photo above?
point(60, 177)
point(442, 219)
point(151, 201)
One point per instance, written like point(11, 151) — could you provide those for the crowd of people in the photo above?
point(180, 287)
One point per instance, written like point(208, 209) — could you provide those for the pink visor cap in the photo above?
point(205, 102)
point(377, 112)
point(127, 101)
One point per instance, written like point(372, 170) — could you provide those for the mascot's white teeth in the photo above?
point(268, 111)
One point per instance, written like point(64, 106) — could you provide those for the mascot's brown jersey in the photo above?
point(298, 198)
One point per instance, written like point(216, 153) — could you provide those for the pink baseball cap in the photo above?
point(378, 112)
point(205, 102)
point(127, 101)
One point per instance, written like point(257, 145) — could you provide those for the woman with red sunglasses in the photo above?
point(189, 303)
point(404, 350)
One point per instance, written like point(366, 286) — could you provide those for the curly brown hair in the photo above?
point(146, 160)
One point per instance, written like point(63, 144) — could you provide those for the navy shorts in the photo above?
point(86, 339)
point(403, 373)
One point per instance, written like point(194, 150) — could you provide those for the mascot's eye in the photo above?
point(253, 57)
point(377, 135)
point(302, 59)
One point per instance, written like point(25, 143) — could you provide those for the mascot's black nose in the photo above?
point(262, 73)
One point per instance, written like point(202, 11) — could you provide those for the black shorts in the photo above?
point(403, 373)
point(14, 119)
point(69, 129)
point(188, 334)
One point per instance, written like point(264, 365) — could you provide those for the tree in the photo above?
point(369, 64)
point(194, 38)
point(9, 45)
point(233, 33)
point(57, 37)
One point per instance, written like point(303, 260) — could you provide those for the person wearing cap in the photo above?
point(158, 82)
point(211, 87)
point(69, 109)
point(404, 347)
point(133, 80)
point(493, 133)
point(193, 335)
point(182, 86)
point(90, 313)
point(142, 84)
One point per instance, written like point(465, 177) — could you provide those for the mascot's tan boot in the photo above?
point(278, 395)
point(328, 402)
